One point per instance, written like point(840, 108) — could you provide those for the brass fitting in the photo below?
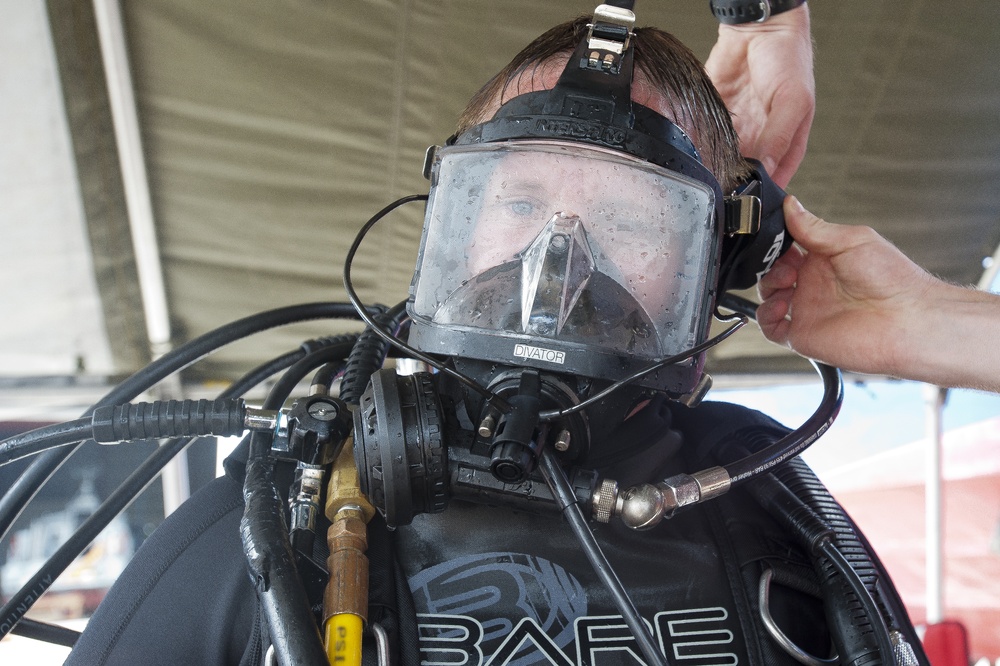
point(344, 488)
point(347, 591)
point(349, 511)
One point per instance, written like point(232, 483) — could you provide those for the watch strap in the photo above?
point(736, 12)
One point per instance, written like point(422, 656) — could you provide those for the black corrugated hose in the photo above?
point(264, 530)
point(368, 355)
point(860, 619)
point(45, 465)
point(12, 613)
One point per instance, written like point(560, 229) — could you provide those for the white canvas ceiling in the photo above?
point(272, 130)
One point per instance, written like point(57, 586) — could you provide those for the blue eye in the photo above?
point(522, 208)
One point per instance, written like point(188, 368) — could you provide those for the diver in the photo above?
point(581, 227)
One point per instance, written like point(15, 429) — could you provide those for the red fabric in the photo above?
point(946, 644)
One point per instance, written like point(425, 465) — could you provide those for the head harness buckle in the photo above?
point(608, 38)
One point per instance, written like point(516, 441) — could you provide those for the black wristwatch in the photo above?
point(735, 12)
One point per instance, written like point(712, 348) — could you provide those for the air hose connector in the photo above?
point(168, 418)
point(643, 506)
point(345, 600)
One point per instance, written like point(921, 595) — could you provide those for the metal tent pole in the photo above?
point(934, 539)
point(121, 96)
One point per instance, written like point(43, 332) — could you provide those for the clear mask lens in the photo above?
point(545, 242)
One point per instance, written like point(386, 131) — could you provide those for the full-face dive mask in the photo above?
point(577, 232)
point(565, 257)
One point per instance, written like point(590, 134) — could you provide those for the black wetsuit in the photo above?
point(494, 585)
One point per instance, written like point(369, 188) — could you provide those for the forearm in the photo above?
point(952, 340)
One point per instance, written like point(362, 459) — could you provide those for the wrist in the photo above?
point(740, 13)
point(950, 339)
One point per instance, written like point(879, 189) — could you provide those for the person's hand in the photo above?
point(764, 73)
point(840, 293)
point(848, 297)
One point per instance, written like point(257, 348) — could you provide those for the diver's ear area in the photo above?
point(749, 253)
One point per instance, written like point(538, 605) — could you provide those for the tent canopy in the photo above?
point(272, 131)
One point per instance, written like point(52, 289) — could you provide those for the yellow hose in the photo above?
point(343, 639)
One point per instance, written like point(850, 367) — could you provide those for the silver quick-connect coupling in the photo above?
point(643, 506)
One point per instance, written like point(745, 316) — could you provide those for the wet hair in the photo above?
point(669, 68)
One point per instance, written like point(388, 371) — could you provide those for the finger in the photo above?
point(788, 122)
point(817, 235)
point(781, 276)
point(770, 148)
point(791, 261)
point(789, 163)
point(772, 317)
point(806, 228)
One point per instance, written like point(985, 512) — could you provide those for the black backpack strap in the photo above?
point(720, 433)
point(390, 602)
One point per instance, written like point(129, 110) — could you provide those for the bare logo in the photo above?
point(697, 636)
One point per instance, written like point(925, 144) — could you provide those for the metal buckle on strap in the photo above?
point(793, 650)
point(609, 36)
point(765, 10)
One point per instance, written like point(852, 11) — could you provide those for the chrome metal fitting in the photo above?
point(262, 419)
point(641, 507)
point(645, 505)
point(678, 491)
point(604, 500)
point(698, 393)
point(305, 506)
point(487, 426)
point(712, 482)
point(608, 37)
point(562, 441)
point(612, 15)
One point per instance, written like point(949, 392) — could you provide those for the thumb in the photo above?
point(811, 232)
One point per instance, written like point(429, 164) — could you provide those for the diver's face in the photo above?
point(620, 211)
point(629, 219)
point(629, 216)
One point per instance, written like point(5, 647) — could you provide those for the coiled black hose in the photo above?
point(856, 621)
point(368, 355)
point(44, 438)
point(799, 501)
point(134, 421)
point(264, 531)
point(45, 465)
point(13, 611)
point(797, 476)
point(799, 439)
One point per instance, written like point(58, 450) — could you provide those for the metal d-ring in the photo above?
point(797, 653)
point(382, 643)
